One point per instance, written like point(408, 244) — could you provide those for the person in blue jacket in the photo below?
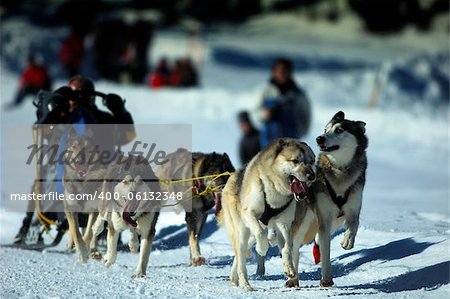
point(286, 110)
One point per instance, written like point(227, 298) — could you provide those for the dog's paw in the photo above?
point(70, 244)
point(326, 283)
point(292, 283)
point(198, 261)
point(83, 258)
point(289, 272)
point(134, 248)
point(234, 281)
point(96, 255)
point(348, 242)
point(83, 255)
point(108, 261)
point(138, 275)
point(262, 245)
point(248, 288)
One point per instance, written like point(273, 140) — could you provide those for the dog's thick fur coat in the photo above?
point(269, 181)
point(177, 165)
point(135, 178)
point(341, 172)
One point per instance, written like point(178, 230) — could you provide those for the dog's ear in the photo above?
point(138, 179)
point(72, 133)
point(338, 116)
point(228, 166)
point(89, 133)
point(361, 125)
point(311, 155)
point(307, 152)
point(280, 144)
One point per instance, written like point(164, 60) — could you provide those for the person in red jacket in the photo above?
point(160, 76)
point(33, 79)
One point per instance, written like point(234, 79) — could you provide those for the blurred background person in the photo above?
point(196, 48)
point(188, 73)
point(286, 110)
point(33, 79)
point(175, 74)
point(121, 49)
point(160, 77)
point(250, 143)
point(119, 115)
point(71, 53)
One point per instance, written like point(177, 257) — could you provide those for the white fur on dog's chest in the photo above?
point(275, 199)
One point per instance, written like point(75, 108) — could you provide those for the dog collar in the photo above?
point(338, 200)
point(270, 212)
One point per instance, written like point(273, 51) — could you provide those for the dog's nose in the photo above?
point(311, 176)
point(320, 139)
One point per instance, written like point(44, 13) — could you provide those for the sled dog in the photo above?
point(197, 207)
point(341, 175)
point(262, 196)
point(131, 183)
point(80, 178)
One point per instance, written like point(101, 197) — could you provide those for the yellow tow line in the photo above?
point(208, 190)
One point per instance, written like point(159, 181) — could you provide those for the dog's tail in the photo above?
point(219, 211)
point(226, 198)
point(229, 216)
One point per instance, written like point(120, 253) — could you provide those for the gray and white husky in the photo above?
point(341, 175)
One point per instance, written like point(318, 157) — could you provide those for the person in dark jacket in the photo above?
point(71, 53)
point(285, 106)
point(75, 104)
point(120, 116)
point(250, 143)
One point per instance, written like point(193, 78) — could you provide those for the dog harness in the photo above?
point(270, 212)
point(338, 200)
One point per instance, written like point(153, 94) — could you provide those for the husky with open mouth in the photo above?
point(341, 175)
point(263, 196)
point(130, 183)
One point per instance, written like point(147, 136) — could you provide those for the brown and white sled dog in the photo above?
point(130, 185)
point(178, 165)
point(81, 178)
point(341, 174)
point(262, 196)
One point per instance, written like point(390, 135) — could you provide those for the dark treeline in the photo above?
point(379, 16)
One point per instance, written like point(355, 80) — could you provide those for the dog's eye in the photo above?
point(295, 161)
point(339, 131)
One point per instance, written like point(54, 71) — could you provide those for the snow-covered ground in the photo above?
point(402, 248)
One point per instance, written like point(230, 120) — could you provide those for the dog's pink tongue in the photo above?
point(129, 211)
point(297, 187)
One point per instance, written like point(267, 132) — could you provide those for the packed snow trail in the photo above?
point(402, 248)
